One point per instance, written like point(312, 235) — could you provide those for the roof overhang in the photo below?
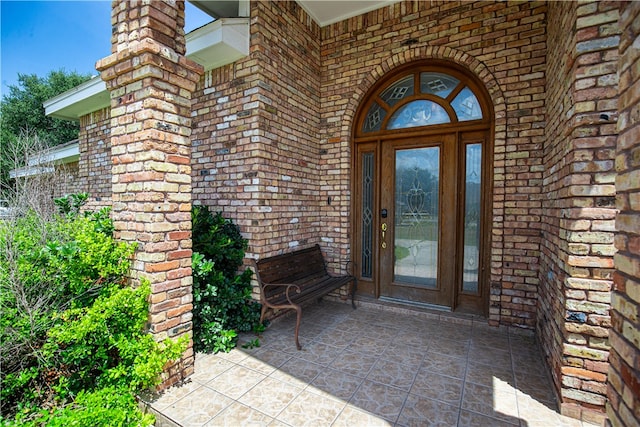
point(223, 8)
point(219, 43)
point(43, 162)
point(213, 45)
point(324, 12)
point(90, 96)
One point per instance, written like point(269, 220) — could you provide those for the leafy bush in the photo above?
point(95, 360)
point(72, 203)
point(105, 345)
point(222, 302)
point(48, 267)
point(73, 335)
point(105, 407)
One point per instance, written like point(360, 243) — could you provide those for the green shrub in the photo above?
point(222, 302)
point(72, 203)
point(47, 267)
point(105, 407)
point(73, 335)
point(105, 345)
point(97, 358)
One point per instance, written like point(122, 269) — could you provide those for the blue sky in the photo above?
point(37, 37)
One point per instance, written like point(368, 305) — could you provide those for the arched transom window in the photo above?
point(422, 98)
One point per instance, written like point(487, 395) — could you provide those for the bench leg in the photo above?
point(263, 312)
point(354, 286)
point(299, 317)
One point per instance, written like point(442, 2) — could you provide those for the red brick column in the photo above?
point(151, 83)
point(579, 211)
point(623, 391)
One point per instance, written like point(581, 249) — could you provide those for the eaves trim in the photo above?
point(219, 43)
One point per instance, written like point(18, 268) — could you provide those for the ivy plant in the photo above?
point(222, 300)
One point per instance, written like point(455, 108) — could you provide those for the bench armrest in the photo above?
point(289, 287)
point(346, 267)
point(344, 263)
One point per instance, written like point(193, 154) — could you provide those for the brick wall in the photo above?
point(95, 156)
point(578, 231)
point(550, 325)
point(272, 132)
point(92, 172)
point(624, 373)
point(256, 152)
point(67, 180)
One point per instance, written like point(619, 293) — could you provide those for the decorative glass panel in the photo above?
point(471, 252)
point(397, 91)
point(374, 118)
point(418, 113)
point(437, 84)
point(467, 106)
point(416, 216)
point(393, 100)
point(367, 215)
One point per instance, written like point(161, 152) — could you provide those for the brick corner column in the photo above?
point(151, 83)
point(623, 392)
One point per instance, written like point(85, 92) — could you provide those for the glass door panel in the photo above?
point(366, 190)
point(416, 224)
point(367, 218)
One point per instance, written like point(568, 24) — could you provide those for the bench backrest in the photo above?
point(292, 266)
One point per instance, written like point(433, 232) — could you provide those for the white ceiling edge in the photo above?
point(219, 43)
point(64, 153)
point(327, 12)
point(78, 101)
point(28, 171)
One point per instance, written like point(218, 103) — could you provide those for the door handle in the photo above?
point(383, 227)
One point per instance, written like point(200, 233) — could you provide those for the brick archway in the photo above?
point(495, 94)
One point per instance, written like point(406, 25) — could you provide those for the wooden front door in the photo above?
point(420, 194)
point(417, 189)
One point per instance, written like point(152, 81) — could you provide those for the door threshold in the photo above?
point(416, 304)
point(427, 311)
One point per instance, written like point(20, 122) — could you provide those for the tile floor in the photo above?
point(369, 367)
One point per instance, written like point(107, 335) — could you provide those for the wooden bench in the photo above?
point(289, 280)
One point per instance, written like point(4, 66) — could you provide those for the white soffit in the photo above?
point(219, 43)
point(65, 153)
point(28, 171)
point(90, 96)
point(216, 44)
point(223, 8)
point(326, 12)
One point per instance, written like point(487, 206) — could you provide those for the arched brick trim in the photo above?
point(484, 75)
point(432, 52)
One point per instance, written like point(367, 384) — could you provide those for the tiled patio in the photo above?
point(370, 367)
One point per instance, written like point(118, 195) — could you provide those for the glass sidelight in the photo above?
point(366, 226)
point(471, 220)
